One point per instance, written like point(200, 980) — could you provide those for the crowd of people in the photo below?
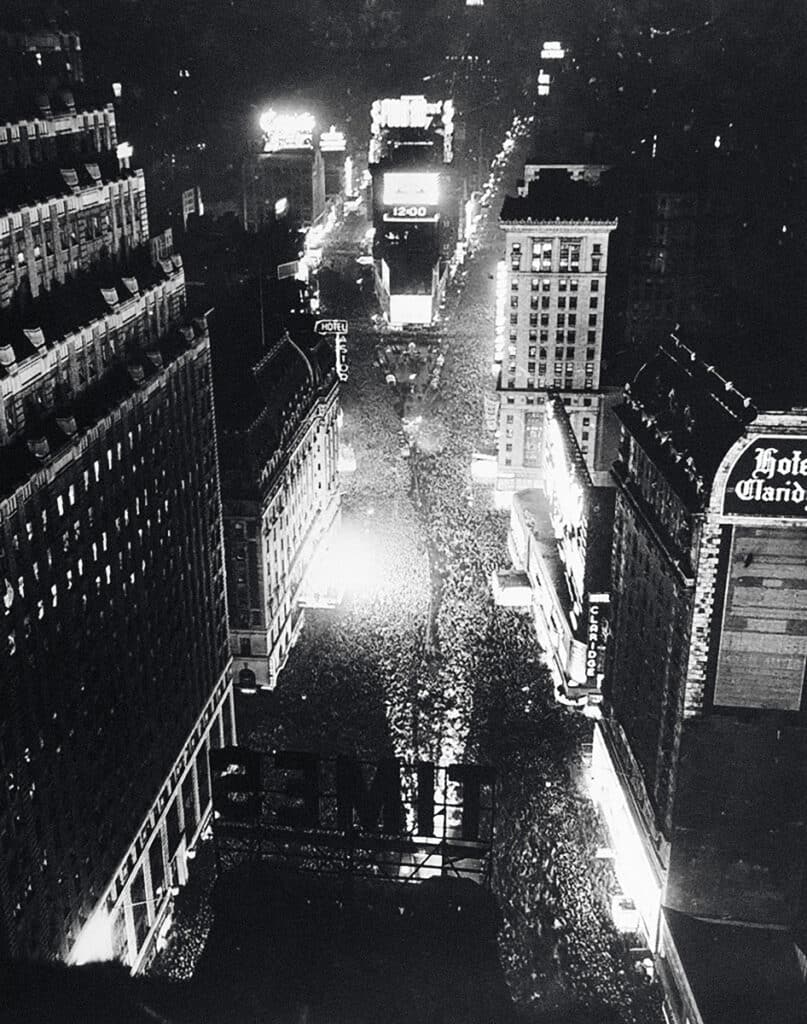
point(419, 663)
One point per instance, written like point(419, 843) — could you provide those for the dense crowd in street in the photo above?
point(419, 662)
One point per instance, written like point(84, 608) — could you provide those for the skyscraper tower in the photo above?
point(114, 663)
point(552, 296)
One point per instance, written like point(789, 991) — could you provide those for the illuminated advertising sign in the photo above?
point(239, 789)
point(332, 141)
point(769, 478)
point(552, 51)
point(286, 131)
point(288, 269)
point(341, 357)
point(501, 310)
point(411, 196)
point(595, 640)
point(410, 309)
point(406, 112)
point(330, 327)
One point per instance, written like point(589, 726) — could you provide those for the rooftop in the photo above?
point(25, 186)
point(79, 301)
point(738, 973)
point(264, 380)
point(687, 415)
point(91, 405)
point(737, 854)
point(555, 196)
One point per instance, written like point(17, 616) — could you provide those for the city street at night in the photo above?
point(419, 663)
point(403, 512)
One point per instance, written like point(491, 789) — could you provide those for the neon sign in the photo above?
point(286, 131)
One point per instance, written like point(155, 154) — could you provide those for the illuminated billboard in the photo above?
point(410, 309)
point(286, 131)
point(411, 196)
point(332, 141)
point(405, 112)
point(412, 112)
point(596, 640)
point(553, 51)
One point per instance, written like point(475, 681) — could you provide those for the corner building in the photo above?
point(114, 661)
point(550, 323)
point(700, 760)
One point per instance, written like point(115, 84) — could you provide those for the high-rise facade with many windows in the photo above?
point(552, 294)
point(114, 659)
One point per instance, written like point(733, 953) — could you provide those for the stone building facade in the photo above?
point(556, 262)
point(280, 485)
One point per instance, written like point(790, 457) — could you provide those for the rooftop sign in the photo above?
point(286, 131)
point(769, 478)
point(552, 51)
point(332, 141)
point(330, 327)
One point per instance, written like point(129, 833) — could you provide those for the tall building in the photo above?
point(114, 660)
point(284, 174)
point(277, 399)
point(38, 63)
point(551, 296)
point(700, 760)
point(416, 205)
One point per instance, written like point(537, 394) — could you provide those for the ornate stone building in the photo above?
point(550, 330)
point(277, 397)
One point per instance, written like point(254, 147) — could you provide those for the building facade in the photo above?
point(699, 760)
point(560, 537)
point(416, 205)
point(114, 661)
point(280, 484)
point(551, 295)
point(284, 174)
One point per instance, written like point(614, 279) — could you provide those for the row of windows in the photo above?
point(560, 302)
point(558, 382)
point(542, 257)
point(561, 320)
point(532, 350)
point(564, 284)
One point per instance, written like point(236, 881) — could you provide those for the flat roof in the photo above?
point(737, 974)
point(555, 196)
point(739, 819)
point(25, 186)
